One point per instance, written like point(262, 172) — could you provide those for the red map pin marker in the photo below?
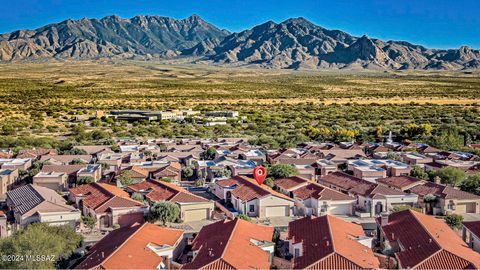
point(259, 173)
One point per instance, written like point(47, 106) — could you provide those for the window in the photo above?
point(251, 208)
point(297, 252)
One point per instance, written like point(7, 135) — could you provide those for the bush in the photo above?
point(282, 171)
point(244, 217)
point(454, 221)
point(164, 212)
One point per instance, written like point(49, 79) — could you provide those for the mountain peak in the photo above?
point(298, 20)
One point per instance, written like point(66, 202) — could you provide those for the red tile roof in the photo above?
point(400, 182)
point(473, 226)
point(442, 191)
point(228, 245)
point(428, 243)
point(248, 189)
point(317, 191)
point(172, 170)
point(137, 172)
point(100, 197)
point(35, 153)
point(329, 243)
point(163, 191)
point(357, 186)
point(290, 182)
point(127, 248)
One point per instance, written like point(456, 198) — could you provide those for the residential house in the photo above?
point(340, 156)
point(135, 173)
point(371, 198)
point(412, 158)
point(255, 155)
point(210, 168)
point(317, 200)
point(57, 181)
point(94, 150)
point(192, 207)
point(471, 234)
point(252, 199)
point(35, 153)
point(325, 166)
point(113, 160)
point(173, 170)
point(424, 242)
point(328, 242)
point(402, 183)
point(7, 179)
point(306, 167)
point(464, 165)
point(139, 246)
point(289, 184)
point(22, 164)
point(185, 158)
point(91, 170)
point(66, 159)
point(445, 199)
point(232, 244)
point(70, 170)
point(109, 204)
point(31, 203)
point(377, 168)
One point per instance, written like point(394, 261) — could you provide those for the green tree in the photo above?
point(164, 212)
point(82, 180)
point(454, 221)
point(138, 196)
point(224, 172)
point(89, 222)
point(419, 172)
point(269, 182)
point(244, 217)
point(57, 243)
point(278, 171)
point(210, 153)
point(471, 184)
point(187, 172)
point(125, 178)
point(451, 175)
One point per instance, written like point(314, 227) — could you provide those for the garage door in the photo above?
point(471, 208)
point(465, 208)
point(340, 209)
point(196, 214)
point(276, 211)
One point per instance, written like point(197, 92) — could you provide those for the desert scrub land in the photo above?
point(281, 107)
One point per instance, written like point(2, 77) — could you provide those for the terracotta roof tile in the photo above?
point(228, 245)
point(400, 182)
point(127, 248)
point(290, 182)
point(317, 191)
point(248, 189)
point(428, 242)
point(163, 191)
point(329, 243)
point(447, 192)
point(100, 197)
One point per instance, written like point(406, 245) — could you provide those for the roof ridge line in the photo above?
point(124, 242)
point(330, 232)
point(236, 220)
point(427, 231)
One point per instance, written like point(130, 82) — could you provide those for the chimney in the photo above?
point(384, 218)
point(103, 254)
point(437, 180)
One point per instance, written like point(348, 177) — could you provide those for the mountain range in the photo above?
point(293, 44)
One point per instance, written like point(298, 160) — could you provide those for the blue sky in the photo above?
point(433, 23)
